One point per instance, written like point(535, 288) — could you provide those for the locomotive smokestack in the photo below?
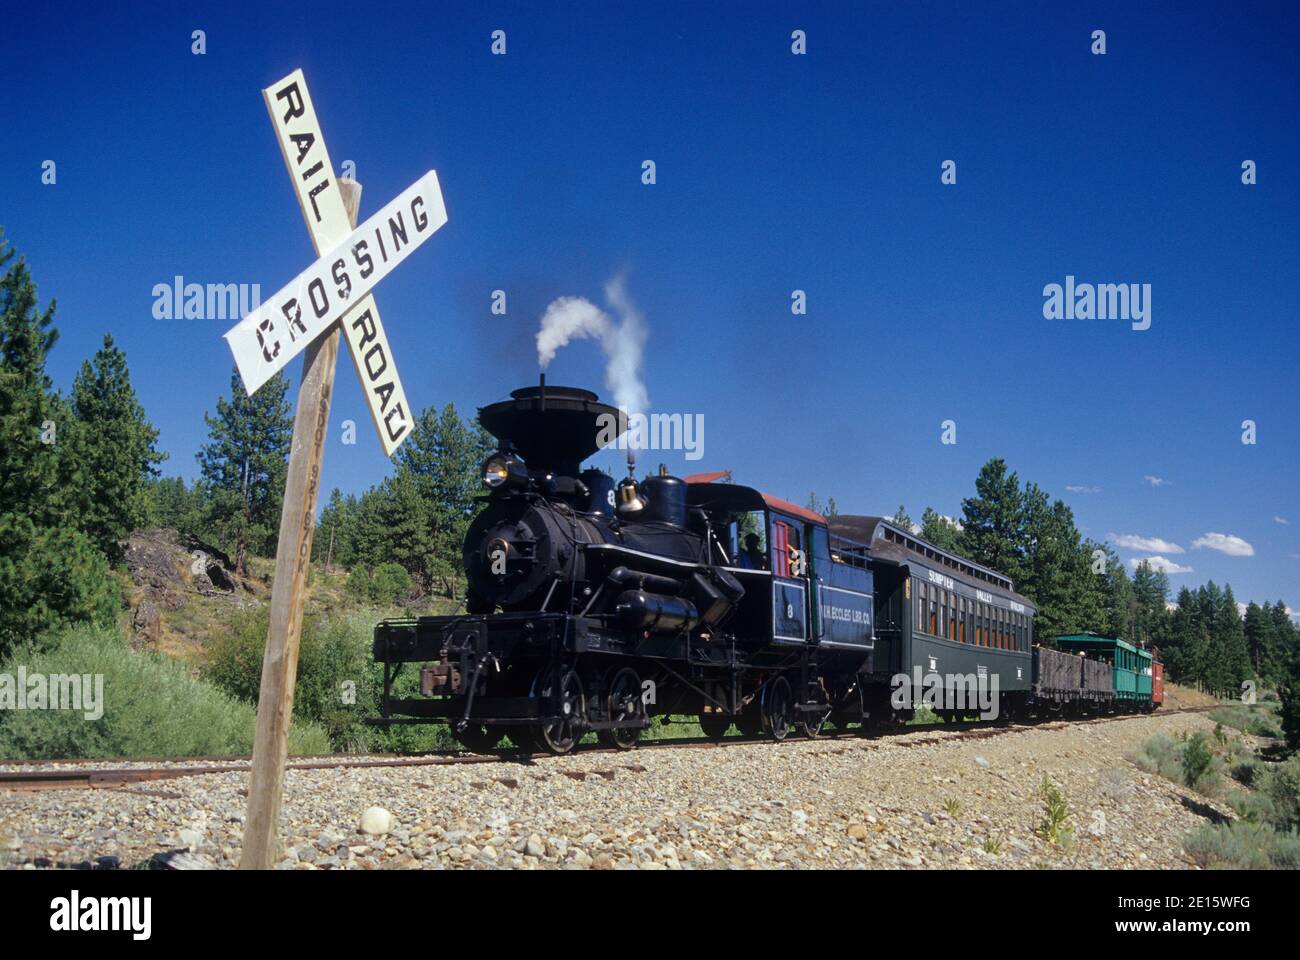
point(542, 391)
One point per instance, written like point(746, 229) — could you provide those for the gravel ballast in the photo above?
point(912, 800)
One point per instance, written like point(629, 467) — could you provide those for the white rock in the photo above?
point(376, 822)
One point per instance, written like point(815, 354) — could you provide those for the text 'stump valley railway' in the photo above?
point(593, 605)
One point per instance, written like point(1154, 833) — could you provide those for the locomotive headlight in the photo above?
point(504, 469)
point(495, 472)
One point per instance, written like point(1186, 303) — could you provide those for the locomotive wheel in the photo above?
point(563, 689)
point(811, 727)
point(778, 708)
point(715, 725)
point(624, 703)
point(478, 738)
point(811, 724)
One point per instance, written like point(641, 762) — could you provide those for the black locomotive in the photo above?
point(593, 605)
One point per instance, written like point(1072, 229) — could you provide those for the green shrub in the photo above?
point(1161, 755)
point(1283, 789)
point(1258, 721)
point(358, 583)
point(1286, 851)
point(383, 586)
point(338, 686)
point(152, 707)
point(389, 584)
point(1055, 828)
point(1243, 846)
point(1237, 846)
point(1198, 763)
point(1253, 807)
point(50, 578)
point(1246, 772)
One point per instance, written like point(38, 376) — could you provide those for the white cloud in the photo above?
point(1133, 541)
point(1162, 564)
point(1156, 481)
point(1282, 520)
point(1241, 609)
point(1082, 488)
point(1224, 543)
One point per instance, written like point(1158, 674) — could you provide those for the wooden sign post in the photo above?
point(306, 315)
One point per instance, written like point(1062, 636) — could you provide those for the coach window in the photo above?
point(749, 540)
point(919, 618)
point(934, 613)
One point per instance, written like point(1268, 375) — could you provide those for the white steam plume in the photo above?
point(622, 342)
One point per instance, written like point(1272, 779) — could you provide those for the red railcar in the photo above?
point(1157, 683)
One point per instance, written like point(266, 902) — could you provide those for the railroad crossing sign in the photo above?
point(337, 286)
point(305, 317)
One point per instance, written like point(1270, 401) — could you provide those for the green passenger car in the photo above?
point(1131, 665)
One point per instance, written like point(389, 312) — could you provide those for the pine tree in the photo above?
point(114, 450)
point(1259, 636)
point(244, 464)
point(1286, 639)
point(827, 509)
point(29, 421)
point(1151, 593)
point(1231, 639)
point(443, 457)
point(1121, 602)
point(335, 540)
point(902, 519)
point(993, 520)
point(170, 503)
point(1180, 658)
point(940, 531)
point(50, 572)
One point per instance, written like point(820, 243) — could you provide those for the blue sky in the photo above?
point(774, 173)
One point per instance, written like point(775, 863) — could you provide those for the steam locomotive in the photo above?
point(594, 605)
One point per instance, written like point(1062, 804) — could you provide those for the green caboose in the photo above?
point(1131, 665)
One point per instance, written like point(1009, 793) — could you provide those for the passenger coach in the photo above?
point(938, 613)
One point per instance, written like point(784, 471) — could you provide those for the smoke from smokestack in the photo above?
point(622, 342)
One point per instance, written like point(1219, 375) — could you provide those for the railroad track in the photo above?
point(63, 774)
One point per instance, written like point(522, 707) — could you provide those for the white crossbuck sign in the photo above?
point(337, 286)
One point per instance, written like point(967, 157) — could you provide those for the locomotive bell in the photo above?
point(629, 497)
